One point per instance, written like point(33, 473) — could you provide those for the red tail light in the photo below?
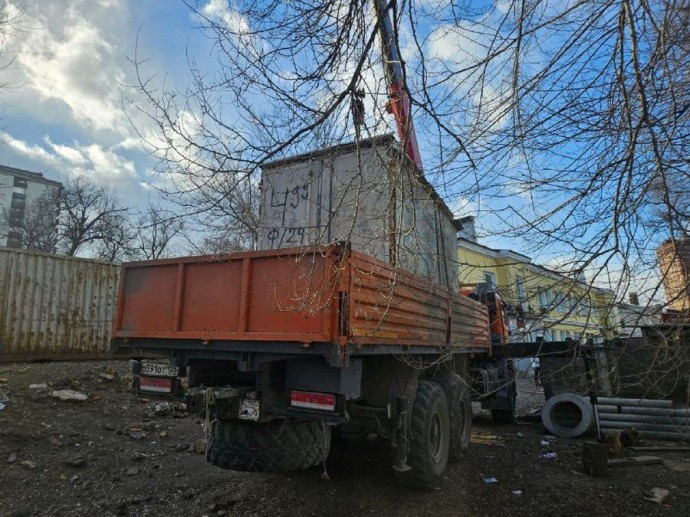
point(312, 400)
point(155, 384)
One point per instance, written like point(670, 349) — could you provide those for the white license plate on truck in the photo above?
point(250, 410)
point(159, 370)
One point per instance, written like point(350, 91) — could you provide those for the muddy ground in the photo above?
point(109, 456)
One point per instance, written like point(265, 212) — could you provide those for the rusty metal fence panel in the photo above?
point(55, 307)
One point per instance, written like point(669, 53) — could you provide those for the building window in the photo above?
point(584, 308)
point(545, 298)
point(18, 200)
point(572, 304)
point(490, 279)
point(520, 288)
point(19, 182)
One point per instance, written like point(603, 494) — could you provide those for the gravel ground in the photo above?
point(109, 455)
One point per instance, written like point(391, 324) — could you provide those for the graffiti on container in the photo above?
point(286, 236)
point(289, 198)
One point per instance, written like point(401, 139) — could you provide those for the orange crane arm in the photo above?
point(399, 100)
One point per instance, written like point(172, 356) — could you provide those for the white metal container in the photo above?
point(55, 307)
point(365, 193)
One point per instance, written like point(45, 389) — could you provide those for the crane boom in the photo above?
point(399, 100)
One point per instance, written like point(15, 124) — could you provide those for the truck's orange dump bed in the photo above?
point(300, 295)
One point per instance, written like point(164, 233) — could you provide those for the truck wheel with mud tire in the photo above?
point(429, 438)
point(460, 412)
point(273, 447)
point(506, 415)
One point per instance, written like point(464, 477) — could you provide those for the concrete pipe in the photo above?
point(636, 410)
point(567, 415)
point(657, 435)
point(634, 402)
point(651, 419)
point(666, 428)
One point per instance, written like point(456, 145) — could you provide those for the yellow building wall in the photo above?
point(575, 317)
point(472, 266)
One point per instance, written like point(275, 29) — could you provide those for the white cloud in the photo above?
point(459, 51)
point(107, 164)
point(9, 17)
point(463, 206)
point(70, 154)
point(493, 106)
point(110, 3)
point(503, 6)
point(101, 164)
point(73, 66)
point(433, 3)
point(34, 152)
point(130, 144)
point(462, 43)
point(221, 10)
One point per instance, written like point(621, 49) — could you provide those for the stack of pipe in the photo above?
point(656, 419)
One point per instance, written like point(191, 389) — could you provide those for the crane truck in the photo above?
point(347, 317)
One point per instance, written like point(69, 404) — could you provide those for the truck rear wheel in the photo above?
point(460, 410)
point(429, 438)
point(272, 447)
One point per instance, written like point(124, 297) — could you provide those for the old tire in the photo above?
point(506, 415)
point(272, 447)
point(568, 415)
point(460, 412)
point(429, 438)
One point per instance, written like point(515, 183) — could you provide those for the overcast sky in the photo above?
point(62, 114)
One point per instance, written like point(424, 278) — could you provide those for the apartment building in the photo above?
point(18, 190)
point(544, 304)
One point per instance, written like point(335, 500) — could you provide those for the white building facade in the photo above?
point(18, 190)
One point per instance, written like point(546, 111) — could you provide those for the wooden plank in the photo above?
point(660, 448)
point(635, 461)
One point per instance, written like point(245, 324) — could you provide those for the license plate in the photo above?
point(249, 410)
point(159, 370)
point(155, 384)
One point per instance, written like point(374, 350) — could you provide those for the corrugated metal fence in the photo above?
point(54, 307)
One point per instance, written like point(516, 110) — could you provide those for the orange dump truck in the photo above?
point(282, 346)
